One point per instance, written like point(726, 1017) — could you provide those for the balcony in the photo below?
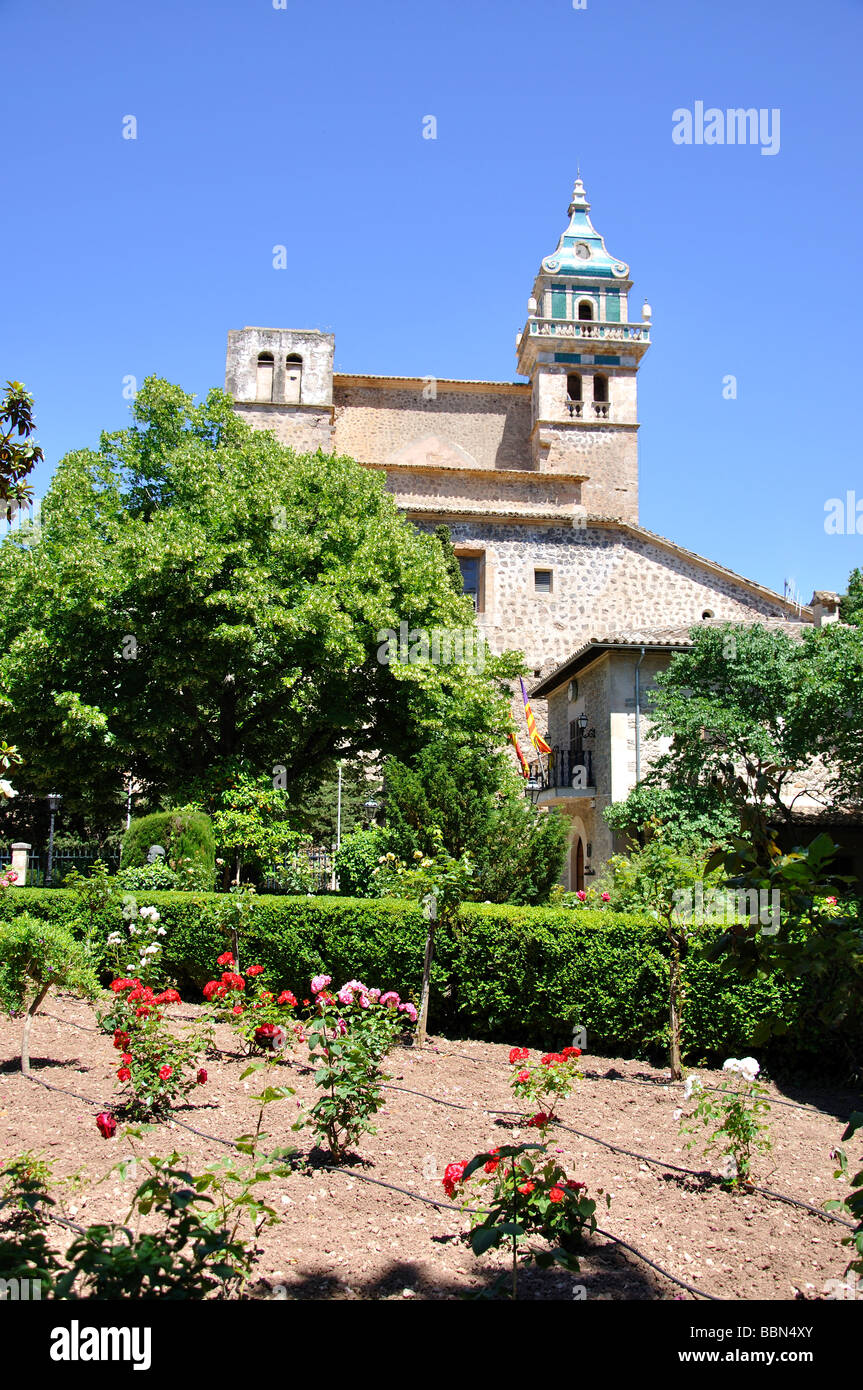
point(584, 328)
point(566, 770)
point(587, 410)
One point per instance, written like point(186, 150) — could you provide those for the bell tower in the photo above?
point(582, 355)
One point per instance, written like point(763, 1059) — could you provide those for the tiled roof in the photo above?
point(668, 638)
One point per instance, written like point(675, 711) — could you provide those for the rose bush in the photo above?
point(544, 1083)
point(260, 1016)
point(349, 1034)
point(524, 1195)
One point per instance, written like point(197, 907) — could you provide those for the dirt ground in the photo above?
point(346, 1237)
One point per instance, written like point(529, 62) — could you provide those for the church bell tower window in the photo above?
point(264, 380)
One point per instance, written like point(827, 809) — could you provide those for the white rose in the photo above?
point(749, 1068)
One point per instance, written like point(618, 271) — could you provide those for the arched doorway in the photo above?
point(576, 865)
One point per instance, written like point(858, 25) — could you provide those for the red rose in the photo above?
point(126, 1059)
point(210, 988)
point(255, 970)
point(492, 1164)
point(551, 1059)
point(523, 1076)
point(556, 1194)
point(237, 1011)
point(164, 1073)
point(226, 959)
point(119, 985)
point(107, 1124)
point(124, 1074)
point(168, 996)
point(233, 980)
point(452, 1176)
point(571, 1052)
point(526, 1189)
point(143, 1011)
point(538, 1121)
point(517, 1054)
point(574, 1186)
point(202, 1076)
point(121, 1040)
point(286, 998)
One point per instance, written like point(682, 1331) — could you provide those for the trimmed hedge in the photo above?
point(514, 974)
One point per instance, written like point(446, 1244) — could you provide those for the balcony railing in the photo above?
point(583, 328)
point(587, 410)
point(565, 768)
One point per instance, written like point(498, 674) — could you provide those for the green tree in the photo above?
point(729, 707)
point(692, 818)
point(199, 594)
point(444, 535)
point(851, 602)
point(475, 802)
point(19, 453)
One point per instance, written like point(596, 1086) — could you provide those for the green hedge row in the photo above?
point(515, 974)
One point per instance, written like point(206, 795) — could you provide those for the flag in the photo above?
point(539, 743)
point(525, 770)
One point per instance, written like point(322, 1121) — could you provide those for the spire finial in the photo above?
point(579, 197)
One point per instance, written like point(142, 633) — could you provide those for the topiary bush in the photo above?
point(187, 839)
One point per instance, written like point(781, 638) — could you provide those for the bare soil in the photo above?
point(345, 1236)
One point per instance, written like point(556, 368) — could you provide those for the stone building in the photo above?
point(537, 480)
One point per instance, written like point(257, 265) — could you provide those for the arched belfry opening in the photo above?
point(264, 377)
point(293, 378)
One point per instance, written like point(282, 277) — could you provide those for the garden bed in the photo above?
point(345, 1236)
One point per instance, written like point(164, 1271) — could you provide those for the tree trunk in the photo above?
point(424, 997)
point(28, 1021)
point(674, 1011)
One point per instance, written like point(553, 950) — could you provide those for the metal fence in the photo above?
point(80, 857)
point(307, 871)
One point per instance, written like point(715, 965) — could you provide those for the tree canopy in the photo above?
point(198, 596)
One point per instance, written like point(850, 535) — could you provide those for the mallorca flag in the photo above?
point(539, 743)
point(525, 770)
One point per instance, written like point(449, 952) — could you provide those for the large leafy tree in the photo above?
point(200, 596)
point(730, 709)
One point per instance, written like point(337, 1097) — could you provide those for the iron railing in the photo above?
point(564, 768)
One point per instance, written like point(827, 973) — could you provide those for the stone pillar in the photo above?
point(19, 861)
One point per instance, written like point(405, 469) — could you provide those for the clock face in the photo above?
point(582, 250)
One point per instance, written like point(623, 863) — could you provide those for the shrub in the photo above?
point(349, 1035)
point(34, 955)
point(356, 860)
point(146, 878)
point(187, 839)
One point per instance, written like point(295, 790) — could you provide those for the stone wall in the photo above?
point(604, 581)
point(489, 426)
point(304, 430)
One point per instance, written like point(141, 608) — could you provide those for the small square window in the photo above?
point(542, 581)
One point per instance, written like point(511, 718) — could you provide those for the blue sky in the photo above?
point(303, 126)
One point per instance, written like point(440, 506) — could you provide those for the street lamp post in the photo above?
point(54, 799)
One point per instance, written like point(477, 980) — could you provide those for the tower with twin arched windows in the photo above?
point(582, 355)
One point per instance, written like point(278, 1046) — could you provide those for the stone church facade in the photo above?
point(537, 480)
